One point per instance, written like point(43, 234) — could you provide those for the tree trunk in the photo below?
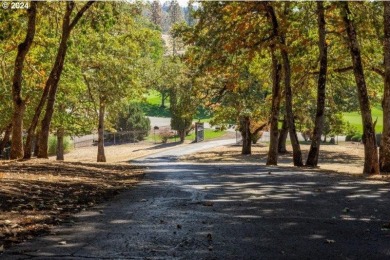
point(6, 137)
point(246, 135)
point(275, 108)
point(34, 123)
point(371, 163)
point(101, 157)
point(163, 97)
point(19, 105)
point(312, 158)
point(60, 144)
point(36, 144)
point(384, 152)
point(283, 138)
point(297, 154)
point(182, 135)
point(55, 74)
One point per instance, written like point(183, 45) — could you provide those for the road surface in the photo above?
point(183, 210)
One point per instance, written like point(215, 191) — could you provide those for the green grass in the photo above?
point(152, 107)
point(208, 134)
point(355, 119)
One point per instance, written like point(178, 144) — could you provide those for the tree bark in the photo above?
point(384, 151)
point(297, 154)
point(60, 144)
point(101, 157)
point(246, 135)
point(182, 135)
point(283, 138)
point(275, 108)
point(36, 144)
point(6, 137)
point(55, 74)
point(19, 104)
point(163, 98)
point(371, 162)
point(312, 158)
point(34, 123)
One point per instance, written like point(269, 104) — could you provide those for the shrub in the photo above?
point(356, 138)
point(132, 118)
point(165, 134)
point(52, 149)
point(349, 137)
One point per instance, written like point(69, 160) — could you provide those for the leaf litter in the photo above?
point(39, 194)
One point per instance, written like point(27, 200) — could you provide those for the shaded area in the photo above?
point(246, 211)
point(155, 110)
point(340, 158)
point(35, 195)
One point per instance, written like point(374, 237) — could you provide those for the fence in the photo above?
point(122, 137)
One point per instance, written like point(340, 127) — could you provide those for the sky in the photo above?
point(181, 2)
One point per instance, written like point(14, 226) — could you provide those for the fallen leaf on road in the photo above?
point(208, 203)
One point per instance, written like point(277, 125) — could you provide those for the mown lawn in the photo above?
point(208, 134)
point(152, 107)
point(355, 119)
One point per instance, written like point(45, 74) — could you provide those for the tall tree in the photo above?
point(51, 86)
point(280, 35)
point(18, 101)
point(156, 11)
point(384, 152)
point(275, 107)
point(312, 158)
point(371, 163)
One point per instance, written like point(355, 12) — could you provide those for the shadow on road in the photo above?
point(205, 211)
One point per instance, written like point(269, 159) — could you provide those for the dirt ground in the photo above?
point(117, 153)
point(37, 194)
point(343, 158)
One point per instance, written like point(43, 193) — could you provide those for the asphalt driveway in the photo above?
point(227, 211)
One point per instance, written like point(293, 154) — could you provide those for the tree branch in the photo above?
point(80, 14)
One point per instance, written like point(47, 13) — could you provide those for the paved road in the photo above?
point(211, 211)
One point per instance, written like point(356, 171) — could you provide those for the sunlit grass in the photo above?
point(355, 119)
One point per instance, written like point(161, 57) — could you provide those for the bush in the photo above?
point(356, 138)
point(52, 149)
point(132, 118)
point(165, 134)
point(349, 137)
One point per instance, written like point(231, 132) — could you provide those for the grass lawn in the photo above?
point(152, 107)
point(208, 134)
point(355, 119)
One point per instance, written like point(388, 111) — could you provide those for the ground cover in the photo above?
point(344, 158)
point(38, 194)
